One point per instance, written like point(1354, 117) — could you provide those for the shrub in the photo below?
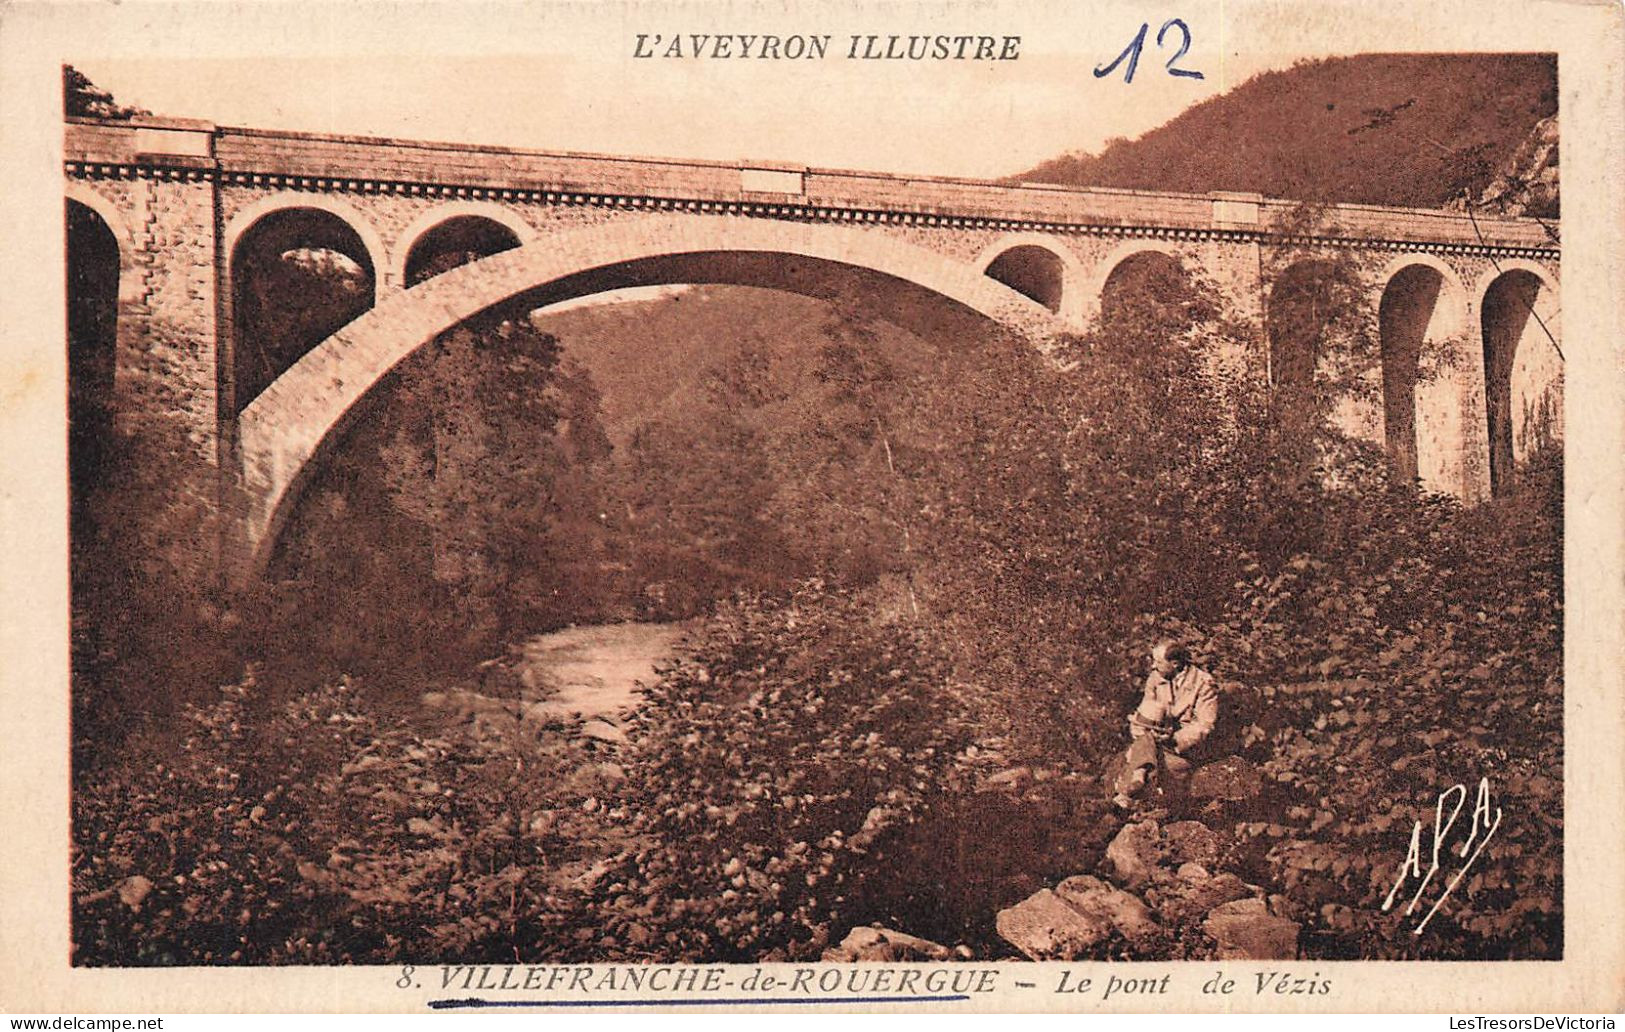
point(776, 764)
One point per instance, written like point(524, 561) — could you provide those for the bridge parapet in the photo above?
point(312, 161)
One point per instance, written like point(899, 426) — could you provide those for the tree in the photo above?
point(463, 510)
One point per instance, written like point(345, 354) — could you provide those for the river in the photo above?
point(596, 671)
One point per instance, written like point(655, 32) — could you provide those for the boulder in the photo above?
point(875, 823)
point(493, 723)
point(1186, 900)
point(1245, 930)
point(536, 679)
point(1231, 778)
point(1094, 898)
point(1135, 853)
point(462, 705)
point(875, 943)
point(1192, 842)
point(1281, 906)
point(1044, 927)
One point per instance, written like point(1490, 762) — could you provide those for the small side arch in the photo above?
point(1451, 277)
point(266, 325)
point(245, 220)
point(1519, 329)
point(441, 213)
point(1551, 287)
point(1147, 269)
point(1096, 285)
point(96, 284)
point(108, 212)
point(1428, 372)
point(1064, 291)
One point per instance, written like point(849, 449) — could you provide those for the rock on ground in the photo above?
point(1135, 853)
point(603, 731)
point(1016, 779)
point(133, 890)
point(875, 943)
point(1044, 927)
point(1192, 842)
point(1246, 930)
point(1183, 901)
point(463, 705)
point(1093, 897)
point(1231, 778)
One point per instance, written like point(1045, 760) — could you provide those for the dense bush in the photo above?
point(147, 628)
point(324, 830)
point(1415, 663)
point(773, 764)
point(776, 764)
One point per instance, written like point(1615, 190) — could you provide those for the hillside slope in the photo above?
point(652, 359)
point(1408, 129)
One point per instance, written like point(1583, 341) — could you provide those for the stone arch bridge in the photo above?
point(171, 219)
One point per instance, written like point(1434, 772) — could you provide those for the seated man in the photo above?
point(1176, 713)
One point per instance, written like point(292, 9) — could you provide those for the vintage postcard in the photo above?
point(812, 506)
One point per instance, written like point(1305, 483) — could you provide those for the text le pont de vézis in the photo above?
point(735, 46)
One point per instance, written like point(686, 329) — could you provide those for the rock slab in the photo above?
point(1044, 927)
point(1246, 930)
point(876, 943)
point(1135, 853)
point(1095, 898)
point(1192, 842)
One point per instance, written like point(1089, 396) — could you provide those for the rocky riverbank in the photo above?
point(1160, 888)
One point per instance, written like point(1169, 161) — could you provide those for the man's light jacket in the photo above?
point(1189, 702)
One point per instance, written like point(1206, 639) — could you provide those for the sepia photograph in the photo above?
point(720, 487)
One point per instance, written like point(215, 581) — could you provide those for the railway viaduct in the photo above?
point(170, 222)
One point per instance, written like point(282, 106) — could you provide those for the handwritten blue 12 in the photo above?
point(1137, 45)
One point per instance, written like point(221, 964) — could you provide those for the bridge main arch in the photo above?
point(284, 431)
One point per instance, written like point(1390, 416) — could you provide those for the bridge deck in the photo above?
point(367, 163)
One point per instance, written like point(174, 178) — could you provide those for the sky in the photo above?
point(562, 76)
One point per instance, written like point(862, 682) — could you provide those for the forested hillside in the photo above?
point(1416, 130)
